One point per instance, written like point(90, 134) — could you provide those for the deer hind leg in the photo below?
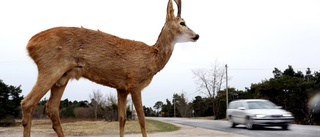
point(136, 99)
point(122, 104)
point(52, 106)
point(46, 79)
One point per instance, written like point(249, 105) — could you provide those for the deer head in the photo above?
point(182, 31)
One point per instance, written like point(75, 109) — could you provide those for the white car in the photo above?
point(258, 112)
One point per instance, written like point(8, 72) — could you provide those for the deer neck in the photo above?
point(164, 46)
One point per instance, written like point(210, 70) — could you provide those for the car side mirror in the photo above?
point(278, 107)
point(241, 108)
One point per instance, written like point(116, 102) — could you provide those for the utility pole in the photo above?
point(227, 86)
point(174, 107)
point(213, 92)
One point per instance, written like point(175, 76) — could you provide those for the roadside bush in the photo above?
point(7, 121)
point(111, 113)
point(84, 112)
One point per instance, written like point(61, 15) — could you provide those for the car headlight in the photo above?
point(287, 115)
point(259, 115)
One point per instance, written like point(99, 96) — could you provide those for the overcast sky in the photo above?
point(251, 36)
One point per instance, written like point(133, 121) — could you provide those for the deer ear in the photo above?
point(170, 14)
point(178, 2)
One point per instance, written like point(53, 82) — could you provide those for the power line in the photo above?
point(261, 69)
point(249, 69)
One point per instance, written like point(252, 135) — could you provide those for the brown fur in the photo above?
point(64, 53)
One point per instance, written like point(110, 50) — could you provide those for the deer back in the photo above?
point(98, 56)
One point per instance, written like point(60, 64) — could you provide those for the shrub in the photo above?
point(7, 121)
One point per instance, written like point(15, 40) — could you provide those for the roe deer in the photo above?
point(64, 53)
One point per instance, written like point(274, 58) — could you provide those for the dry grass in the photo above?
point(92, 128)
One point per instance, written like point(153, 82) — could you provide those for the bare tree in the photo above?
point(97, 100)
point(209, 80)
point(111, 107)
point(111, 99)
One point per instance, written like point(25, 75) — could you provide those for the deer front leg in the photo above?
point(52, 108)
point(136, 99)
point(122, 103)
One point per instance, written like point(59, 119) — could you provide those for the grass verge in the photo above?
point(158, 126)
point(99, 127)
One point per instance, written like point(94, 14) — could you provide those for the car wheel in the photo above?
point(285, 127)
point(249, 123)
point(233, 124)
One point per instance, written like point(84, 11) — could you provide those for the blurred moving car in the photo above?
point(258, 112)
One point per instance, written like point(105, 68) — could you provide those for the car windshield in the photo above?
point(260, 105)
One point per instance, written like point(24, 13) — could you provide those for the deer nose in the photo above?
point(196, 37)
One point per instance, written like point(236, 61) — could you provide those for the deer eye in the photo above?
point(182, 23)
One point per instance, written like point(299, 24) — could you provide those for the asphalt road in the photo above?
point(224, 126)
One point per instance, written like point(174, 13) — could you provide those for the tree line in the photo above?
point(295, 91)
